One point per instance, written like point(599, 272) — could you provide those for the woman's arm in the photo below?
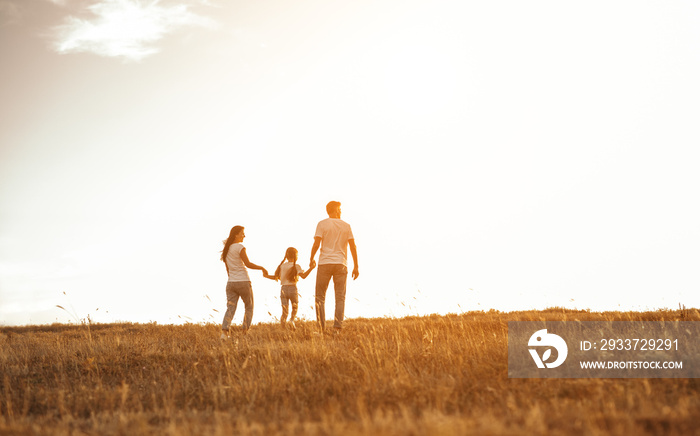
point(249, 264)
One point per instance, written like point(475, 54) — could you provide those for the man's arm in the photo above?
point(314, 249)
point(353, 251)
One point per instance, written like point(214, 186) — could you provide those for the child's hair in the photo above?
point(293, 274)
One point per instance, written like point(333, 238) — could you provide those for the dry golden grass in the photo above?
point(442, 375)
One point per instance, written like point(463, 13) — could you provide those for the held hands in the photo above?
point(312, 264)
point(268, 276)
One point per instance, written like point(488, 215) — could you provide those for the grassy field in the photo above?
point(443, 375)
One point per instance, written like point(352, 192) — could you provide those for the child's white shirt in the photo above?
point(284, 273)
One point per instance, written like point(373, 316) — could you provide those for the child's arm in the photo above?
point(275, 276)
point(306, 273)
point(270, 276)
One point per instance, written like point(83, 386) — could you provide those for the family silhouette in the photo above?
point(333, 237)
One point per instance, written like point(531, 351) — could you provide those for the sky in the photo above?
point(501, 155)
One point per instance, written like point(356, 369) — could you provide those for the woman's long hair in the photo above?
point(235, 230)
point(293, 274)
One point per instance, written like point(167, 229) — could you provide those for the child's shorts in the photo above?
point(289, 293)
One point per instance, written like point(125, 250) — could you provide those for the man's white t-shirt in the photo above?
point(335, 234)
point(237, 272)
point(284, 273)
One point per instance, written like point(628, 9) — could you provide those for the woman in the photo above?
point(238, 285)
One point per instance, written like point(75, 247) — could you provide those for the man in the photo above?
point(334, 236)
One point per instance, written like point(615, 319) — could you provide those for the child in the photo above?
point(288, 273)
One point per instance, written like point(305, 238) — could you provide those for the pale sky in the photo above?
point(500, 155)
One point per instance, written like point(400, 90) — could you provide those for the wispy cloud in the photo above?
point(128, 29)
